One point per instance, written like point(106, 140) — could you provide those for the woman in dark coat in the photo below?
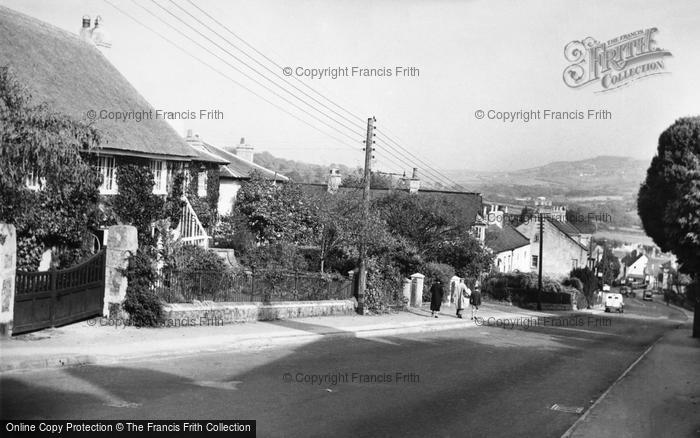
point(436, 293)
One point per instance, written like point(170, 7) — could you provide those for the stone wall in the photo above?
point(211, 313)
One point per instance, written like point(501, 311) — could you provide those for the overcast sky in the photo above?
point(471, 55)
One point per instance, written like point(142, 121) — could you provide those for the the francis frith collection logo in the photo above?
point(614, 63)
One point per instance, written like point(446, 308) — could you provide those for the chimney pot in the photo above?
point(415, 173)
point(189, 133)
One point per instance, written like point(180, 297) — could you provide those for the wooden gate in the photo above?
point(55, 298)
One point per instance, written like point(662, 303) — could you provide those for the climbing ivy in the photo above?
point(35, 140)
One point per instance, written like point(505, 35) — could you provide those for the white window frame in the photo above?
point(33, 181)
point(160, 175)
point(106, 165)
point(202, 179)
point(534, 261)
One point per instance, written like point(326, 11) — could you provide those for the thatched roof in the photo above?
point(73, 77)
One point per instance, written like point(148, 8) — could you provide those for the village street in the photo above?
point(484, 380)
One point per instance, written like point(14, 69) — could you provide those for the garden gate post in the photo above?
point(8, 267)
point(122, 241)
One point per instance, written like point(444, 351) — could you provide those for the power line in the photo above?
point(419, 160)
point(227, 29)
point(342, 142)
point(239, 70)
point(251, 68)
point(260, 63)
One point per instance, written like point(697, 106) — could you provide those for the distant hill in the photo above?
point(298, 171)
point(594, 177)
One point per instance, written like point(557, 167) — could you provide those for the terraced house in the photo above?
point(71, 74)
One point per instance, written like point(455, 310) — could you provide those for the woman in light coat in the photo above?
point(461, 298)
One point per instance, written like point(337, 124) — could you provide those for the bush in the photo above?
point(521, 289)
point(192, 258)
point(573, 282)
point(383, 290)
point(232, 231)
point(436, 270)
point(141, 303)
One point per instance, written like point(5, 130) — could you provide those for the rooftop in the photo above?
point(74, 77)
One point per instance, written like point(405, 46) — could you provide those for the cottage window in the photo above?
point(535, 261)
point(159, 176)
point(202, 184)
point(106, 166)
point(574, 263)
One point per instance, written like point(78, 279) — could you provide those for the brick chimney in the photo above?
point(334, 180)
point(245, 150)
point(414, 182)
point(85, 29)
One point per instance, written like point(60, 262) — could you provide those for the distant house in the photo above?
point(70, 73)
point(237, 167)
point(510, 248)
point(562, 246)
point(468, 203)
point(635, 268)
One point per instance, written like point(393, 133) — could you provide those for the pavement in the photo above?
point(106, 341)
point(657, 396)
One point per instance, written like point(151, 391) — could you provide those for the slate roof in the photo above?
point(468, 203)
point(237, 167)
point(73, 77)
point(504, 239)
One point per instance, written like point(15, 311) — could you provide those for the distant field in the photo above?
point(596, 198)
point(625, 236)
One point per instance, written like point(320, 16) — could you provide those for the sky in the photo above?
point(470, 56)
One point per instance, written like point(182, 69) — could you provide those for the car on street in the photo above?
point(614, 302)
point(648, 295)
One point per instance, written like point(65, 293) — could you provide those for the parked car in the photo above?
point(648, 295)
point(614, 302)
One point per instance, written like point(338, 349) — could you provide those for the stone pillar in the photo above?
point(121, 243)
point(8, 267)
point(417, 289)
point(406, 290)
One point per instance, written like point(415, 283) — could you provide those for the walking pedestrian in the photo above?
point(475, 299)
point(436, 292)
point(461, 298)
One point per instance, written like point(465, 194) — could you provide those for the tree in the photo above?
point(588, 280)
point(608, 266)
point(51, 150)
point(669, 199)
point(276, 212)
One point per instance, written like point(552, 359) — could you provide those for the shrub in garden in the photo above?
point(383, 286)
point(142, 304)
point(433, 270)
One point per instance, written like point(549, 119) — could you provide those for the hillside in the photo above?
point(602, 176)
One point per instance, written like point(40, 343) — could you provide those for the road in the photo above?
point(498, 379)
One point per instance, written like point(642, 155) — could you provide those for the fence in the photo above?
point(251, 286)
point(190, 230)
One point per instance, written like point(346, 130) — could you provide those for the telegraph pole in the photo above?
point(539, 276)
point(362, 280)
